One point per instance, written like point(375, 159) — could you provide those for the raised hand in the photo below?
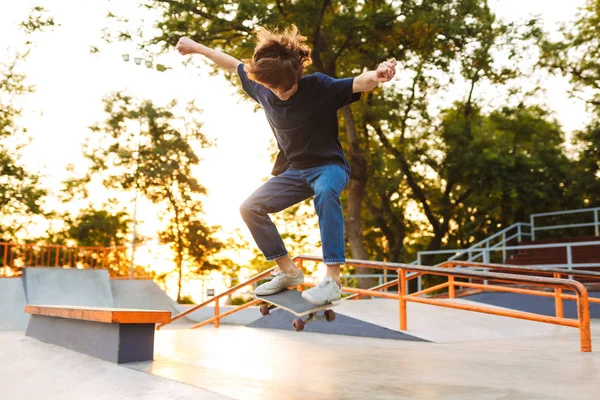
point(386, 70)
point(185, 46)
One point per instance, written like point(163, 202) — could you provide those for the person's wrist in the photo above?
point(373, 78)
point(200, 48)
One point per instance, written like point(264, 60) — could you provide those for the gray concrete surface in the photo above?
point(480, 357)
point(32, 370)
point(12, 303)
point(75, 287)
point(269, 364)
point(447, 325)
point(242, 317)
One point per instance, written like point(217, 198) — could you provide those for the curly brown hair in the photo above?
point(280, 58)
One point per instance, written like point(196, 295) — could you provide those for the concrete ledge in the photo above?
point(100, 314)
point(117, 335)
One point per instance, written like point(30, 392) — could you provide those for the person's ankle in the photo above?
point(337, 281)
point(293, 273)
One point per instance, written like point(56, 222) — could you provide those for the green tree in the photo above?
point(92, 227)
point(402, 164)
point(576, 55)
point(146, 148)
point(20, 190)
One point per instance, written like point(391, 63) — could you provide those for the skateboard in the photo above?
point(291, 300)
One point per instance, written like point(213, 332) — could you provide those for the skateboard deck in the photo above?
point(292, 301)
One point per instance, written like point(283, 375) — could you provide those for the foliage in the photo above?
point(20, 190)
point(144, 148)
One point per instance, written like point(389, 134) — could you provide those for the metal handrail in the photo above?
point(216, 319)
point(581, 295)
point(19, 255)
point(519, 268)
point(595, 224)
point(485, 252)
point(582, 322)
point(498, 234)
point(478, 250)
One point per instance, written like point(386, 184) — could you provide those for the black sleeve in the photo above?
point(250, 87)
point(338, 92)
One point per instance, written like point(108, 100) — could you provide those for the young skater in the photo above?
point(302, 112)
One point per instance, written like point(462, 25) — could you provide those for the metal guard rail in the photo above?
point(581, 295)
point(217, 318)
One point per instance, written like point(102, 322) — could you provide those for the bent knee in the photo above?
point(327, 191)
point(249, 207)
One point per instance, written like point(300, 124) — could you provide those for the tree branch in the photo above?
point(405, 168)
point(316, 53)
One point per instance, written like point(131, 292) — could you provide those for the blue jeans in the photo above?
point(291, 187)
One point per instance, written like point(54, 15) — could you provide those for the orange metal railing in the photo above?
point(14, 256)
point(581, 296)
point(558, 273)
point(556, 283)
point(217, 317)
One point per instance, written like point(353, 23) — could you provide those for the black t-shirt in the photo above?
point(305, 125)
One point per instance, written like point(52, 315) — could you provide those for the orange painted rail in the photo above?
point(580, 293)
point(99, 314)
point(217, 318)
point(554, 272)
point(14, 256)
point(583, 311)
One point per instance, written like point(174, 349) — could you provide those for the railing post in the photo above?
point(596, 222)
point(570, 259)
point(486, 259)
point(531, 221)
point(451, 292)
point(486, 253)
point(583, 312)
point(217, 313)
point(503, 247)
point(401, 300)
point(419, 283)
point(558, 301)
point(519, 233)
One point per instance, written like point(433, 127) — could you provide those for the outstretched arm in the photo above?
point(188, 46)
point(369, 80)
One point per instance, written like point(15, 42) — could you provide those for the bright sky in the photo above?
point(71, 82)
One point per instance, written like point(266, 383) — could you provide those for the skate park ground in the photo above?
point(464, 355)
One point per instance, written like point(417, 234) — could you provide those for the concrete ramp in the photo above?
point(534, 304)
point(12, 304)
point(141, 294)
point(75, 287)
point(342, 325)
point(447, 325)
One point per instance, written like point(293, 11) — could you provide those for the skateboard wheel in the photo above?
point(264, 309)
point(329, 315)
point(298, 324)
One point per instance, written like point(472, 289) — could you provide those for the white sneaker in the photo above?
point(327, 291)
point(278, 284)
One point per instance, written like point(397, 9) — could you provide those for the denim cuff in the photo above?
point(276, 257)
point(334, 261)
